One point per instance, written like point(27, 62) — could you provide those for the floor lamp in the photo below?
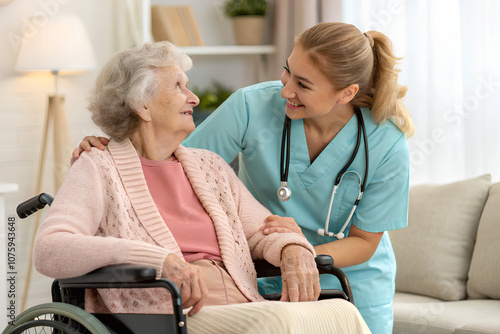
point(61, 46)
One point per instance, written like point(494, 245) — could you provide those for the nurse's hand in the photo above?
point(299, 275)
point(280, 224)
point(87, 143)
point(188, 278)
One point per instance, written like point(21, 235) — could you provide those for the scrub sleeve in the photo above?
point(250, 122)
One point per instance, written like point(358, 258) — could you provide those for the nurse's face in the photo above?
point(307, 91)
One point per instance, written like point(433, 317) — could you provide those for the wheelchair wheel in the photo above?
point(57, 318)
point(45, 326)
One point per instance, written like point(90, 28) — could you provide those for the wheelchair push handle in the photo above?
point(32, 205)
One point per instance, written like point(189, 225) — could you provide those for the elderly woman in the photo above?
point(147, 200)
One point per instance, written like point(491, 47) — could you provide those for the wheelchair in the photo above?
point(66, 314)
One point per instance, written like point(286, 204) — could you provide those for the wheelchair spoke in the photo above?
point(68, 323)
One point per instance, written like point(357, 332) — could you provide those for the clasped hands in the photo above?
point(299, 273)
point(300, 278)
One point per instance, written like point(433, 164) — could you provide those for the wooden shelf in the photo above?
point(8, 188)
point(228, 50)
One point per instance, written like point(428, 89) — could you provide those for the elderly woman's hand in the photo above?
point(189, 279)
point(87, 143)
point(299, 275)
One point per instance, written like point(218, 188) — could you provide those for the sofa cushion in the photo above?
point(433, 253)
point(446, 317)
point(483, 326)
point(411, 298)
point(484, 272)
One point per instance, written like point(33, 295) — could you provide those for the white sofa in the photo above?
point(448, 275)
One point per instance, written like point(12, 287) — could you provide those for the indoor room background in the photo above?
point(450, 50)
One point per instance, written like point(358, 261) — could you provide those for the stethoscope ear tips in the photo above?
point(339, 235)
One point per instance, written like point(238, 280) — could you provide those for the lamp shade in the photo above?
point(61, 45)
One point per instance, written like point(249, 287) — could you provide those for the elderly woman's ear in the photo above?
point(144, 113)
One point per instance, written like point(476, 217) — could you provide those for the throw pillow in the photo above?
point(433, 253)
point(484, 272)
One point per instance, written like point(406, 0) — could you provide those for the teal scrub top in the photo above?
point(250, 122)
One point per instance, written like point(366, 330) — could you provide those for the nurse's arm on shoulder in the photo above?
point(357, 248)
point(87, 143)
point(222, 132)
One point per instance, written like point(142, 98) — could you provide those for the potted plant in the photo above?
point(248, 20)
point(210, 99)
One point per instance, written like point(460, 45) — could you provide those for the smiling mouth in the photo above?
point(189, 112)
point(290, 103)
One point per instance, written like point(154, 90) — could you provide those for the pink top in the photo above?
point(181, 209)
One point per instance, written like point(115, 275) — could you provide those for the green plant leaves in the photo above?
point(245, 7)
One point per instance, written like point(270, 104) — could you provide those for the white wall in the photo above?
point(24, 97)
point(216, 29)
point(22, 108)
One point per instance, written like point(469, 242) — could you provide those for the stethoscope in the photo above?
point(284, 191)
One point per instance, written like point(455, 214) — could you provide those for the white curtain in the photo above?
point(291, 17)
point(129, 17)
point(451, 51)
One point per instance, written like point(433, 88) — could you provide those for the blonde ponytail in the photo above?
point(348, 56)
point(386, 97)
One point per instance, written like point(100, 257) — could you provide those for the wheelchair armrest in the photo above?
point(265, 269)
point(325, 266)
point(120, 276)
point(125, 273)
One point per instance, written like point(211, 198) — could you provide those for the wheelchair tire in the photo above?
point(44, 326)
point(65, 314)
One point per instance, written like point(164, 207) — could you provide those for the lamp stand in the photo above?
point(56, 117)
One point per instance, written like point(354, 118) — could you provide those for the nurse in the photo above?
point(333, 70)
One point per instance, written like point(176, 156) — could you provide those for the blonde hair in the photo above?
point(347, 56)
point(127, 82)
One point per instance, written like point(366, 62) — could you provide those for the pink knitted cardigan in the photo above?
point(103, 214)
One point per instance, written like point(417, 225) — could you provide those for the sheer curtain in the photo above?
point(451, 65)
point(129, 25)
point(291, 17)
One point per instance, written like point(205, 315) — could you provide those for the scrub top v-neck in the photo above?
point(331, 156)
point(250, 122)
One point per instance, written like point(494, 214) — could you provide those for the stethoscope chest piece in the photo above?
point(284, 192)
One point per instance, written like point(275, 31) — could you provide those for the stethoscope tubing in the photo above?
point(284, 191)
point(367, 155)
point(286, 136)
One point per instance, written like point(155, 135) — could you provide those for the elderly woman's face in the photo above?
point(172, 108)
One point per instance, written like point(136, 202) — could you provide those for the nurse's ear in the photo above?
point(348, 93)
